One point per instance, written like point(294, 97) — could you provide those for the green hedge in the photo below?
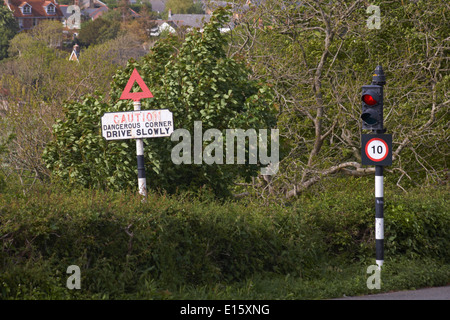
point(120, 242)
point(418, 224)
point(126, 247)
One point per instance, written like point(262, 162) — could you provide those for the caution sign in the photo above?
point(137, 124)
point(376, 149)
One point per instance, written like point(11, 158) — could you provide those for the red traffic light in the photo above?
point(368, 99)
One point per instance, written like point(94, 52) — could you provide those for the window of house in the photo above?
point(51, 9)
point(27, 9)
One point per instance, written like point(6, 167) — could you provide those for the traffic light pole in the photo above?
point(376, 150)
point(379, 216)
point(379, 79)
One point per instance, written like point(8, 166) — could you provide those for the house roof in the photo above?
point(63, 8)
point(162, 25)
point(158, 5)
point(46, 3)
point(94, 13)
point(134, 14)
point(38, 8)
point(74, 56)
point(190, 20)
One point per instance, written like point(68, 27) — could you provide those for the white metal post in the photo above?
point(379, 216)
point(142, 182)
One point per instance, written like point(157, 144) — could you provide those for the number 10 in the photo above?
point(379, 149)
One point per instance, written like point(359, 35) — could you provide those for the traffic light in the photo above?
point(372, 107)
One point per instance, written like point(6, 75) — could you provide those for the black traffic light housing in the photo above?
point(372, 102)
point(372, 107)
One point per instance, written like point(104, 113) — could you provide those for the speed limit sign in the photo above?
point(376, 149)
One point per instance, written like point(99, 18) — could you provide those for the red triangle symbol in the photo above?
point(136, 96)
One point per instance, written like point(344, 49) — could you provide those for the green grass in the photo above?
point(335, 282)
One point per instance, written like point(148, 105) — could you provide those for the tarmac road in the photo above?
point(438, 293)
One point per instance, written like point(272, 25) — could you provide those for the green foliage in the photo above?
point(196, 82)
point(184, 7)
point(4, 141)
point(186, 246)
point(317, 55)
point(417, 224)
point(2, 182)
point(117, 240)
point(98, 31)
point(38, 80)
point(344, 215)
point(8, 29)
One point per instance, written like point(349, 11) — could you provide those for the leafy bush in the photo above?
point(196, 82)
point(129, 249)
point(117, 241)
point(417, 224)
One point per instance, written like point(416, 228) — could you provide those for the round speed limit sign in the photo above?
point(377, 149)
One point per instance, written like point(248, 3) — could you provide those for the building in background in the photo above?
point(30, 13)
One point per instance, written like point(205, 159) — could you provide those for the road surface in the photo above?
point(438, 293)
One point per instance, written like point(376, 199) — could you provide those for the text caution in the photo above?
point(137, 124)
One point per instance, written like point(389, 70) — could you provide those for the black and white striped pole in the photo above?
point(376, 149)
point(136, 97)
point(379, 216)
point(142, 181)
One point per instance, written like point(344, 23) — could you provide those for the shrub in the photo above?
point(417, 224)
point(126, 248)
point(117, 241)
point(196, 82)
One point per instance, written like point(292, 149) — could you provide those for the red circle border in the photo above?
point(385, 144)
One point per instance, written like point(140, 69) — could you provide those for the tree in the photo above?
point(184, 6)
point(49, 32)
point(196, 82)
point(38, 80)
point(318, 54)
point(8, 29)
point(124, 8)
point(98, 31)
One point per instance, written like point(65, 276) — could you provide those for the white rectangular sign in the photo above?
point(137, 124)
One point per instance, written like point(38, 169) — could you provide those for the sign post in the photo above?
point(376, 149)
point(137, 124)
point(142, 181)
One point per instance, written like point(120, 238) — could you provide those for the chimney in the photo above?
point(170, 13)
